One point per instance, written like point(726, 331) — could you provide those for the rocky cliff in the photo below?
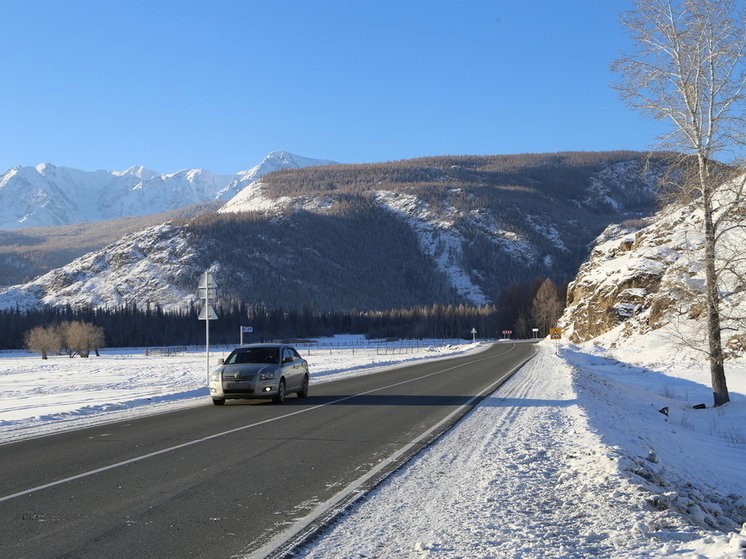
point(646, 275)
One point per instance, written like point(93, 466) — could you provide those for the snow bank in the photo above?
point(570, 458)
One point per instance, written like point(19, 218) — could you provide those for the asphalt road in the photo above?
point(230, 481)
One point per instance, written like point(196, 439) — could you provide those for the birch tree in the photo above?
point(687, 69)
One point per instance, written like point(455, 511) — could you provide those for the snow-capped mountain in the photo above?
point(380, 236)
point(47, 195)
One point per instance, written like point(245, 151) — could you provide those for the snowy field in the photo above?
point(572, 457)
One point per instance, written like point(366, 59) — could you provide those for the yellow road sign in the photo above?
point(555, 333)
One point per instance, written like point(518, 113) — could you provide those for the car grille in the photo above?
point(241, 384)
point(235, 390)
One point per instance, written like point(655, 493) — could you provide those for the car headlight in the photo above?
point(215, 375)
point(267, 375)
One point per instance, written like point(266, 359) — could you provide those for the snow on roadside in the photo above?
point(562, 461)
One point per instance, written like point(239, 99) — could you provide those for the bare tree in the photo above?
point(687, 69)
point(547, 307)
point(81, 337)
point(43, 340)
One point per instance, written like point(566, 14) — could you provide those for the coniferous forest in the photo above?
point(152, 327)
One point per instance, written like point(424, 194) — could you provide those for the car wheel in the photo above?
point(218, 402)
point(303, 392)
point(280, 396)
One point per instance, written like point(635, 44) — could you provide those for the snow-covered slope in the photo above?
point(144, 267)
point(47, 195)
point(444, 242)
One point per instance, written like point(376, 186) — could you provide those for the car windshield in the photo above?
point(254, 355)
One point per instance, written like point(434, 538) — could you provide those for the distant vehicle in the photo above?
point(260, 371)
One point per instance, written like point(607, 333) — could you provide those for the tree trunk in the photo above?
point(714, 339)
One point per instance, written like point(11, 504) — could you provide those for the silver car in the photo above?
point(260, 371)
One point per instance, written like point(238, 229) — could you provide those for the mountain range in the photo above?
point(447, 230)
point(47, 195)
point(67, 195)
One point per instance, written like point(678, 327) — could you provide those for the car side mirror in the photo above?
point(221, 361)
point(287, 360)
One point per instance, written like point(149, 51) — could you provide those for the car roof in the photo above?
point(249, 346)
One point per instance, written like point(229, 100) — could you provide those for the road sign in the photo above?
point(207, 312)
point(555, 333)
point(244, 330)
point(207, 292)
point(207, 289)
point(206, 281)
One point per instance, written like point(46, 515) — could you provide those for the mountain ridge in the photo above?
point(49, 195)
point(450, 230)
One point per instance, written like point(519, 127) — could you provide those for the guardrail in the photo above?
point(380, 347)
point(165, 351)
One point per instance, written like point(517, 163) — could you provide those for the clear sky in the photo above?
point(218, 84)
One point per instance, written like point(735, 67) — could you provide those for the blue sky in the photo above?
point(218, 84)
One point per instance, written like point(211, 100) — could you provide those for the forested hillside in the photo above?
point(481, 221)
point(441, 230)
point(576, 177)
point(353, 256)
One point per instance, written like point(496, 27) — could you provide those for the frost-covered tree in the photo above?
point(43, 340)
point(687, 69)
point(81, 337)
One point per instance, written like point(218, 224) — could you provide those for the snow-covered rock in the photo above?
point(649, 275)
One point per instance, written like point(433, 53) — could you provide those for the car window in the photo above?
point(287, 355)
point(296, 355)
point(253, 355)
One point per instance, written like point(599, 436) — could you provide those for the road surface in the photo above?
point(236, 480)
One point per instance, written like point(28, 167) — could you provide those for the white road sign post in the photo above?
point(247, 329)
point(208, 291)
point(473, 335)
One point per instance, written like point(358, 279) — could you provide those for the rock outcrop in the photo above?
point(640, 275)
